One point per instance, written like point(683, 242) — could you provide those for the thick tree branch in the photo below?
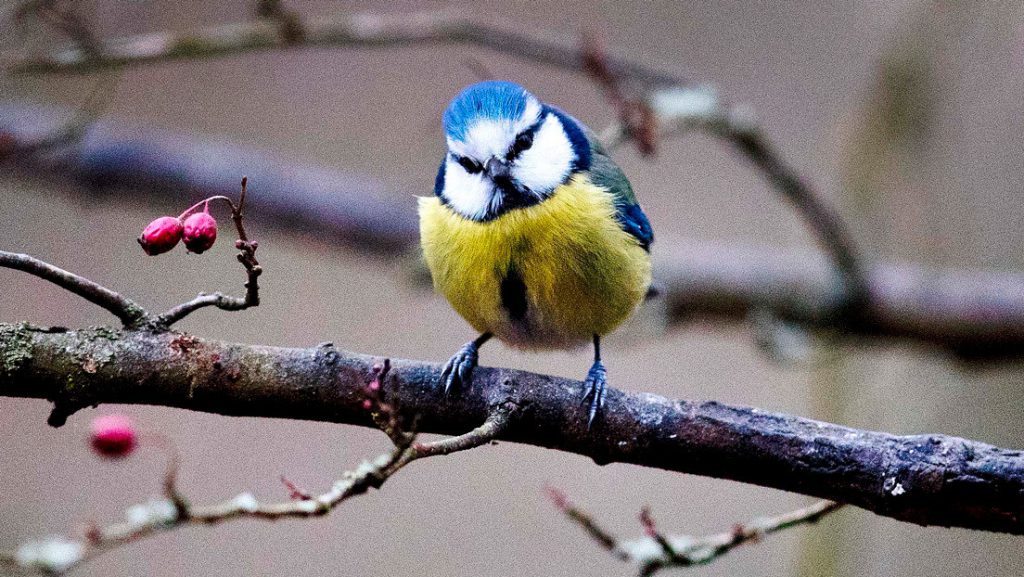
point(924, 479)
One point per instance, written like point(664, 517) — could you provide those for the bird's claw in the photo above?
point(596, 384)
point(458, 371)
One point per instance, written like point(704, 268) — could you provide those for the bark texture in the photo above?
point(924, 479)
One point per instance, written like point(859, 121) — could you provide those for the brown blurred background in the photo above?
point(907, 114)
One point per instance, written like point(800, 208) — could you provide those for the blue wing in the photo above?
point(634, 221)
point(592, 158)
point(606, 174)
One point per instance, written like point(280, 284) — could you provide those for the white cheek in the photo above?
point(547, 163)
point(468, 194)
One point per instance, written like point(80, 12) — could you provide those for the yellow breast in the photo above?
point(547, 276)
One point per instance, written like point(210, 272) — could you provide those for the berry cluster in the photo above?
point(197, 229)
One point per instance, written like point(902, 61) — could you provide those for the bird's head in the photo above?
point(506, 150)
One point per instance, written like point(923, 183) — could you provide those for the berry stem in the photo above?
point(206, 203)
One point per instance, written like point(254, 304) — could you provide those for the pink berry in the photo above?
point(113, 436)
point(161, 235)
point(200, 232)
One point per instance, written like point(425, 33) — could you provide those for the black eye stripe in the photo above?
point(523, 141)
point(471, 166)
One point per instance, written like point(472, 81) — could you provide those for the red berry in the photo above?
point(200, 232)
point(113, 436)
point(161, 235)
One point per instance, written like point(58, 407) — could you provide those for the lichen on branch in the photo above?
point(923, 479)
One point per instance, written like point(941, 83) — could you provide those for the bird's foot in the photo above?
point(458, 371)
point(596, 384)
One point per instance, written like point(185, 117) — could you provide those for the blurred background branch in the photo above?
point(977, 316)
point(350, 30)
point(630, 87)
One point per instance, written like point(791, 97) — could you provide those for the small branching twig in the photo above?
point(680, 109)
point(63, 17)
point(127, 311)
point(131, 314)
point(57, 555)
point(295, 492)
point(658, 551)
point(246, 256)
point(636, 117)
point(289, 23)
point(584, 520)
point(70, 131)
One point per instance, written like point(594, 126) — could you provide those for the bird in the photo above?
point(533, 234)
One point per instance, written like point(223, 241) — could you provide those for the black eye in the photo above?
point(471, 166)
point(523, 142)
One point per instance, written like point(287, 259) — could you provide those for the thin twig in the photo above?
point(668, 552)
point(66, 20)
point(603, 538)
point(131, 314)
point(658, 551)
point(246, 256)
point(825, 222)
point(485, 433)
point(681, 107)
point(635, 114)
point(173, 511)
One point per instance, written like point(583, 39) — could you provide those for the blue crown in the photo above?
point(491, 99)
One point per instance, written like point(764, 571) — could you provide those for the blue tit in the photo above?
point(533, 234)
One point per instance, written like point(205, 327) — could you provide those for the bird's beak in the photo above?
point(497, 169)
